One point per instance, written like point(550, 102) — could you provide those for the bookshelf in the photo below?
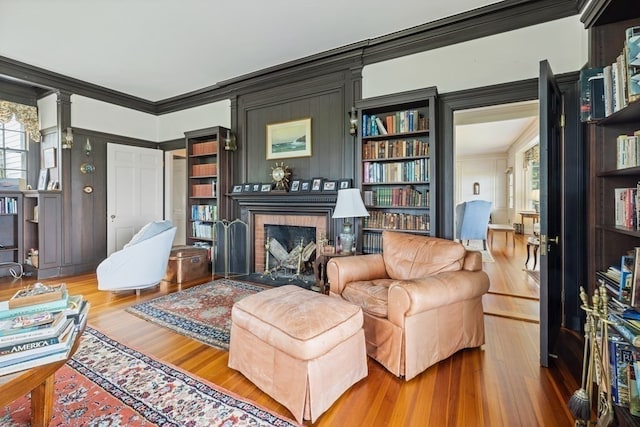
point(208, 170)
point(10, 230)
point(42, 230)
point(396, 171)
point(609, 240)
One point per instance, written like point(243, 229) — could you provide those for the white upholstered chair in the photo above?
point(141, 263)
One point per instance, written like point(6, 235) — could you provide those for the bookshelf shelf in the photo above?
point(11, 233)
point(397, 167)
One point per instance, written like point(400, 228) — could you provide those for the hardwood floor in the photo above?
point(499, 384)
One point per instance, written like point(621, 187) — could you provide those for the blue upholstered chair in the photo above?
point(472, 221)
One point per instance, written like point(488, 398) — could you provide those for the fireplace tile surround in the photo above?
point(306, 210)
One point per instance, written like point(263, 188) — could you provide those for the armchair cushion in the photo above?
point(409, 256)
point(372, 296)
point(148, 231)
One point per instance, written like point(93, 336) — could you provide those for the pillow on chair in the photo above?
point(149, 230)
point(408, 256)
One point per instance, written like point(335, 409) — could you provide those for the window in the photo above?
point(13, 150)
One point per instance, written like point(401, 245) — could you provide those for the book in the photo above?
point(40, 331)
point(22, 352)
point(632, 49)
point(6, 312)
point(585, 92)
point(24, 323)
point(29, 343)
point(627, 332)
point(39, 361)
point(622, 358)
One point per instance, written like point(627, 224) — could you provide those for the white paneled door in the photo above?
point(134, 191)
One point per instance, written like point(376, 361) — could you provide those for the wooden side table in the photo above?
point(39, 381)
point(501, 228)
point(320, 270)
point(532, 242)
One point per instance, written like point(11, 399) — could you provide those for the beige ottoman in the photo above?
point(302, 348)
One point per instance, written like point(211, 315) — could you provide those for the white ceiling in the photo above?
point(492, 130)
point(157, 49)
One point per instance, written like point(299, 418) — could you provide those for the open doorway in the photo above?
point(495, 160)
point(176, 192)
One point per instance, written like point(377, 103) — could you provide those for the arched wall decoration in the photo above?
point(25, 114)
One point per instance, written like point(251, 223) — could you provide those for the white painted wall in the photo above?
point(488, 171)
point(500, 58)
point(88, 113)
point(174, 125)
point(48, 111)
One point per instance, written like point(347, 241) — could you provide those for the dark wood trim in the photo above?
point(493, 19)
point(173, 144)
point(600, 12)
point(485, 21)
point(20, 93)
point(49, 80)
point(119, 139)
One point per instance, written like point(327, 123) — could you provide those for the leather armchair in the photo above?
point(421, 299)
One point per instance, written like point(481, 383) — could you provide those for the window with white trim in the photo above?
point(13, 150)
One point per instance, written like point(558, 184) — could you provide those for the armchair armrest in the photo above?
point(409, 297)
point(343, 270)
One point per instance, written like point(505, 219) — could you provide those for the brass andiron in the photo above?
point(267, 271)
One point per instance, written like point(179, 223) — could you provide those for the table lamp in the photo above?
point(348, 205)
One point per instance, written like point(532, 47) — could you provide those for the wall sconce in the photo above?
point(67, 139)
point(353, 122)
point(87, 147)
point(476, 188)
point(230, 142)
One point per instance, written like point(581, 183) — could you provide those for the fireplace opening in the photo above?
point(291, 251)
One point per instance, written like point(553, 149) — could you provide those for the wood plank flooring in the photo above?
point(499, 384)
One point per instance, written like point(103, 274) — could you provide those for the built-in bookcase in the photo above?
point(207, 169)
point(610, 239)
point(10, 230)
point(396, 148)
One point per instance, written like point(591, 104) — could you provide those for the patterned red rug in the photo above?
point(109, 384)
point(202, 312)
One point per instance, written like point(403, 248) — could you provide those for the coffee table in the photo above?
point(39, 381)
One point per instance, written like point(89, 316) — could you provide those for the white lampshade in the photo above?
point(349, 204)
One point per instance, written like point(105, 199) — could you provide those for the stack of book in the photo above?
point(39, 325)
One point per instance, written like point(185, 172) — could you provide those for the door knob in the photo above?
point(113, 217)
point(544, 241)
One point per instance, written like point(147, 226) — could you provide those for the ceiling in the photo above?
point(159, 49)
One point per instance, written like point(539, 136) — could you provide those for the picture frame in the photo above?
point(237, 189)
point(246, 188)
point(344, 183)
point(295, 186)
point(316, 184)
point(43, 179)
point(289, 139)
point(255, 188)
point(305, 186)
point(265, 188)
point(49, 158)
point(329, 186)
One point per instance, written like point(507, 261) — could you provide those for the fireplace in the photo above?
point(283, 209)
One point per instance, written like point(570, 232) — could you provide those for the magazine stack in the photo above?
point(39, 325)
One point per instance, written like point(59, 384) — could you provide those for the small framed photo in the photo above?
point(43, 179)
point(305, 185)
point(246, 188)
point(237, 189)
point(316, 184)
point(329, 185)
point(344, 183)
point(295, 185)
point(265, 188)
point(49, 157)
point(255, 188)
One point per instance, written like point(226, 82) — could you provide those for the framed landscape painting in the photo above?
point(289, 139)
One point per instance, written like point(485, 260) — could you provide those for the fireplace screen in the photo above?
point(231, 254)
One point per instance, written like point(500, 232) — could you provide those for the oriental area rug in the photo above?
point(109, 384)
point(202, 312)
